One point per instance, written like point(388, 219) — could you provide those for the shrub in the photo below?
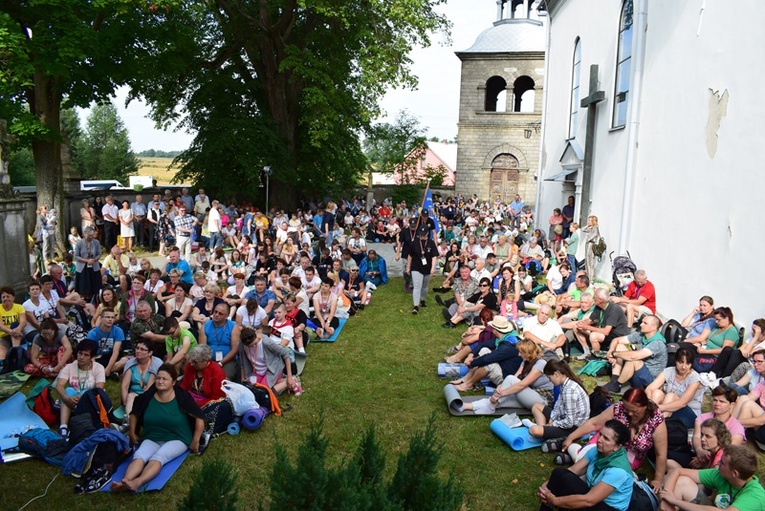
point(214, 488)
point(357, 485)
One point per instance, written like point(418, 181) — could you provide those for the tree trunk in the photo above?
point(46, 106)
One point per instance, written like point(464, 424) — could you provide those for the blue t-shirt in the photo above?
point(219, 337)
point(185, 268)
point(263, 299)
point(618, 479)
point(106, 340)
point(699, 326)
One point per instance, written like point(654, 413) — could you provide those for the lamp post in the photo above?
point(267, 171)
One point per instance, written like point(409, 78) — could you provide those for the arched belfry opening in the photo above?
point(523, 94)
point(496, 94)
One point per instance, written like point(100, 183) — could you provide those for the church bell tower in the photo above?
point(501, 104)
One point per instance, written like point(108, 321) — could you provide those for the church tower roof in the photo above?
point(518, 29)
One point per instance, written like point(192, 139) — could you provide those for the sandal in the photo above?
point(478, 388)
point(563, 458)
point(452, 350)
point(552, 445)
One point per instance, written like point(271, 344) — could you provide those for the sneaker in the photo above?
point(449, 324)
point(64, 431)
point(415, 310)
point(423, 304)
point(99, 479)
point(583, 356)
point(440, 301)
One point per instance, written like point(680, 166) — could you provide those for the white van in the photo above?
point(100, 184)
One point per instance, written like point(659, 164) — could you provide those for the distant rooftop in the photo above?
point(446, 152)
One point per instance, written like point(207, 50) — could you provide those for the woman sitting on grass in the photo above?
point(530, 385)
point(677, 390)
point(325, 306)
point(474, 334)
point(169, 422)
point(264, 361)
point(570, 411)
point(714, 437)
point(646, 423)
point(608, 481)
point(497, 358)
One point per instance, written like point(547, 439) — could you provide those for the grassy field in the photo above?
point(160, 169)
point(382, 370)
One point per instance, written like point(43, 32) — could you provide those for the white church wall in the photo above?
point(696, 212)
point(702, 233)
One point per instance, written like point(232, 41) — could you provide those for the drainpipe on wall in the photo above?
point(538, 216)
point(641, 25)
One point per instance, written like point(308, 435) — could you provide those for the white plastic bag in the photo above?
point(242, 398)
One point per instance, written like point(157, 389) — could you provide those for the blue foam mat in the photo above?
point(518, 439)
point(15, 419)
point(335, 335)
point(165, 473)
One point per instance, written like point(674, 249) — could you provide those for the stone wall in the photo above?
point(14, 252)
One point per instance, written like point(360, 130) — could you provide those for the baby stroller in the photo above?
point(624, 269)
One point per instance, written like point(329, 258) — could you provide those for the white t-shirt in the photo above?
point(80, 380)
point(303, 306)
point(153, 289)
point(554, 277)
point(254, 320)
point(286, 331)
point(316, 281)
point(39, 310)
point(213, 221)
point(548, 332)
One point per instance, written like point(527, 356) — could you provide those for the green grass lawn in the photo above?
point(382, 370)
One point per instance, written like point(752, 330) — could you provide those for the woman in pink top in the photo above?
point(723, 400)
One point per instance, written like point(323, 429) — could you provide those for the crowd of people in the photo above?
point(528, 300)
point(242, 289)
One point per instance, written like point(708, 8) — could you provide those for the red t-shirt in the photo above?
point(646, 290)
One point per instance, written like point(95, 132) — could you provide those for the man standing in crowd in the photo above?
point(214, 226)
point(184, 227)
point(201, 203)
point(111, 213)
point(138, 209)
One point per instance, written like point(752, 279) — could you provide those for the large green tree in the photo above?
point(73, 52)
point(291, 84)
point(104, 151)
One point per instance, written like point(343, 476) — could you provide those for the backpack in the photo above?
point(97, 404)
point(76, 334)
point(45, 406)
point(15, 360)
point(595, 368)
point(677, 436)
point(643, 498)
point(599, 247)
point(600, 399)
point(44, 443)
point(265, 397)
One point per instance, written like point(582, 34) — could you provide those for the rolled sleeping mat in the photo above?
point(452, 371)
point(233, 428)
point(253, 419)
point(453, 399)
point(518, 439)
